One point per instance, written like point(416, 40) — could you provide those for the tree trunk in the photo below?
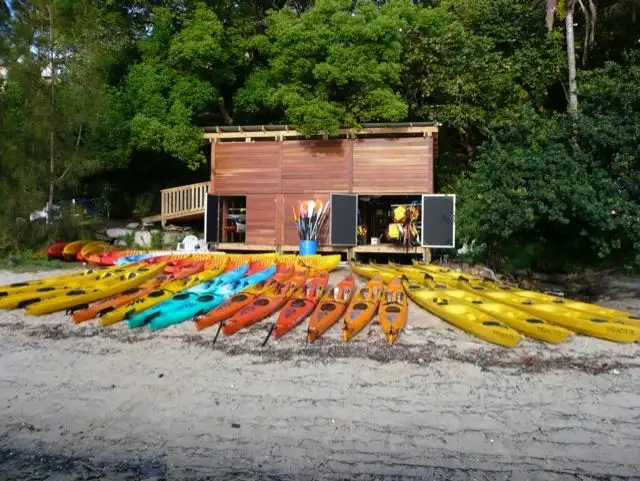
point(53, 124)
point(571, 62)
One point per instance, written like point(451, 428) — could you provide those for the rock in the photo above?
point(133, 225)
point(172, 238)
point(118, 232)
point(142, 238)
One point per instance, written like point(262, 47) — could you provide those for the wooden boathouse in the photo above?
point(258, 173)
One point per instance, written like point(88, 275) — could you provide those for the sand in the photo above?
point(83, 402)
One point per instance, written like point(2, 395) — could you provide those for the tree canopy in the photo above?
point(92, 90)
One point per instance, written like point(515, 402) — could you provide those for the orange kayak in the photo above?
point(331, 308)
point(265, 304)
point(301, 304)
point(240, 300)
point(100, 308)
point(393, 310)
point(363, 307)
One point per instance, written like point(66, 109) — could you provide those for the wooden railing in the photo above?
point(183, 201)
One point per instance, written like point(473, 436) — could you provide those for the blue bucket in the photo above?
point(308, 247)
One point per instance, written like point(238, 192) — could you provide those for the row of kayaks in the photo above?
point(225, 290)
point(99, 253)
point(157, 293)
point(502, 314)
point(76, 250)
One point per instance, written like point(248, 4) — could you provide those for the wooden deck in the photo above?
point(351, 252)
point(185, 202)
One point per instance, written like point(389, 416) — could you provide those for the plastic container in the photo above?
point(308, 247)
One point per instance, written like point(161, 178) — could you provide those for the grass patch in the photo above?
point(32, 261)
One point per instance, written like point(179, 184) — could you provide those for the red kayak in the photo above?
point(242, 299)
point(108, 258)
point(301, 304)
point(265, 304)
point(55, 251)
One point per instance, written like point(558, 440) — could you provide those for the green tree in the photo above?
point(337, 63)
point(59, 115)
point(171, 85)
point(534, 200)
point(470, 72)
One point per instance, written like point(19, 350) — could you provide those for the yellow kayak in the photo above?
point(523, 322)
point(558, 313)
point(90, 249)
point(81, 297)
point(157, 296)
point(31, 294)
point(19, 287)
point(443, 272)
point(316, 262)
point(426, 277)
point(369, 272)
point(435, 268)
point(463, 316)
point(468, 281)
point(607, 313)
point(71, 250)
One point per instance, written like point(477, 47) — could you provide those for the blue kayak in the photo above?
point(137, 257)
point(142, 318)
point(188, 305)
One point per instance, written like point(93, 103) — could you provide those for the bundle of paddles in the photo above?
point(234, 292)
point(310, 216)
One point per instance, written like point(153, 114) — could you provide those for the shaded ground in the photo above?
point(82, 402)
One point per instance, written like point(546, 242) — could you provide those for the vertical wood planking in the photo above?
point(261, 219)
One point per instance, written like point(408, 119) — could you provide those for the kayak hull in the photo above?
point(101, 308)
point(292, 315)
point(393, 311)
point(463, 317)
point(330, 308)
point(81, 297)
point(363, 307)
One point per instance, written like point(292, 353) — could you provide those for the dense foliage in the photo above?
point(94, 94)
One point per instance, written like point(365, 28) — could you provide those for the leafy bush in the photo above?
point(540, 197)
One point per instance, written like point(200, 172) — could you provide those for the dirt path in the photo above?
point(80, 402)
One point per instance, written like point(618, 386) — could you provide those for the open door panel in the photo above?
point(212, 219)
point(438, 221)
point(343, 219)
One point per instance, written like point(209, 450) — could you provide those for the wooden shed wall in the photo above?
point(316, 166)
point(262, 222)
point(274, 176)
point(393, 165)
point(245, 168)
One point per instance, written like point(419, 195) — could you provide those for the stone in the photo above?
point(142, 238)
point(118, 232)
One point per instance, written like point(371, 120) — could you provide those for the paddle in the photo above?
point(271, 329)
point(218, 332)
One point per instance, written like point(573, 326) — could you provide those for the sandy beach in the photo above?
point(84, 402)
